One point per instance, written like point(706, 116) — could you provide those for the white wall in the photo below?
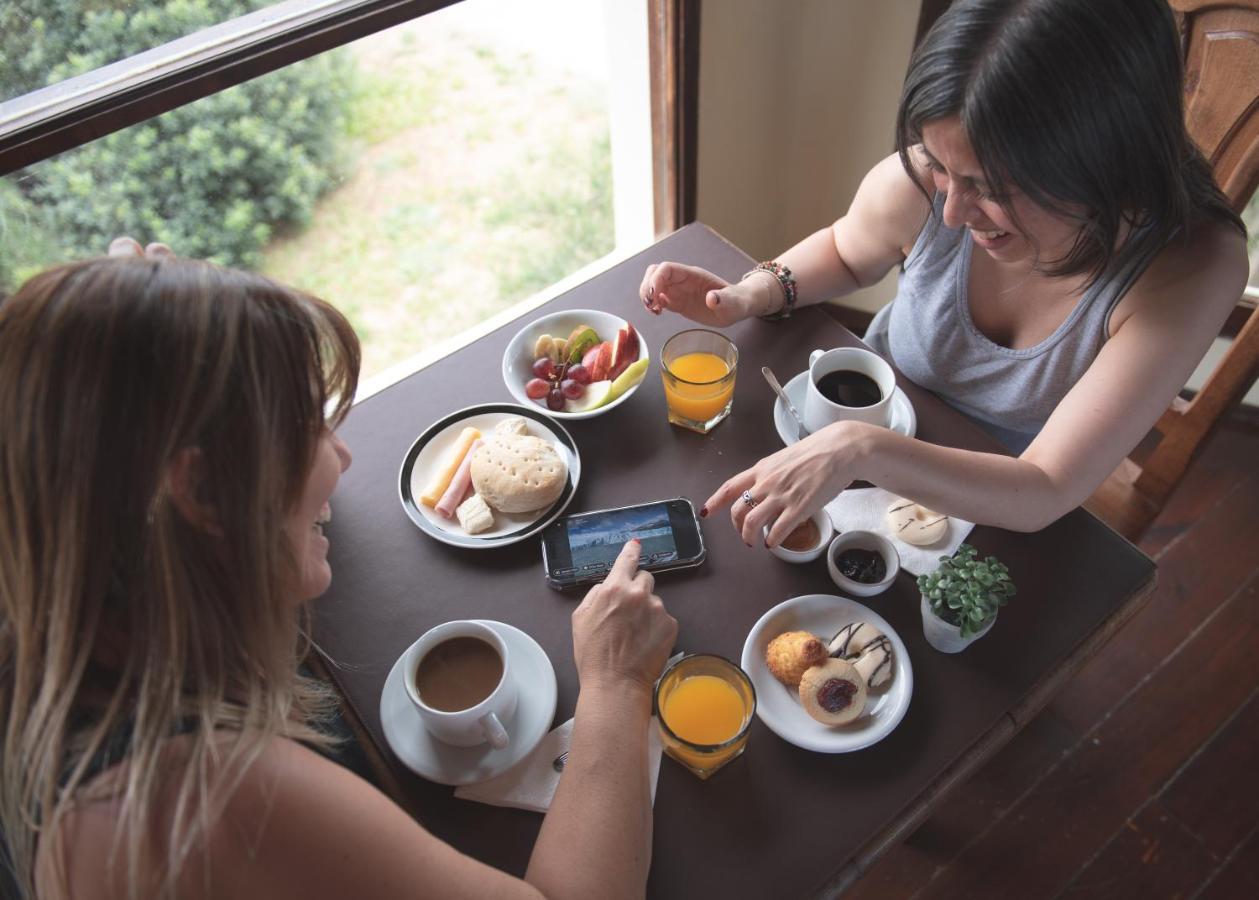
point(797, 100)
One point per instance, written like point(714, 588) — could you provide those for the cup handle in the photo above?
point(813, 357)
point(495, 733)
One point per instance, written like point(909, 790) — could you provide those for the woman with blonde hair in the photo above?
point(166, 463)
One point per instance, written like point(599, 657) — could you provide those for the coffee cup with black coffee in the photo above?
point(848, 383)
point(460, 679)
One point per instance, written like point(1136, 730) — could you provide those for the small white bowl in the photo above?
point(864, 540)
point(518, 359)
point(825, 531)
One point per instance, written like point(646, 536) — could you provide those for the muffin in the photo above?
point(791, 653)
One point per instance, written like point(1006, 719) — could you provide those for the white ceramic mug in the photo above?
point(476, 724)
point(819, 411)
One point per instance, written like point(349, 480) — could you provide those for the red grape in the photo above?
point(536, 388)
point(572, 389)
point(555, 400)
point(579, 374)
point(543, 367)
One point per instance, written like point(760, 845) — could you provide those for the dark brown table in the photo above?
point(779, 821)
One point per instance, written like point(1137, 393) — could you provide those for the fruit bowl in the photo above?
point(615, 361)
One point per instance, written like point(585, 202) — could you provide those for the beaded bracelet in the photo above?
point(788, 282)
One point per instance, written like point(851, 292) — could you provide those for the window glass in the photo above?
point(421, 179)
point(43, 42)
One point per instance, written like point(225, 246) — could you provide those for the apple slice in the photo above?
point(596, 395)
point(602, 364)
point(626, 380)
point(624, 350)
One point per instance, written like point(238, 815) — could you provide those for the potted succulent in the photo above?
point(960, 599)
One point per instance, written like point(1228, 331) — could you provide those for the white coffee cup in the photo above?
point(819, 411)
point(479, 723)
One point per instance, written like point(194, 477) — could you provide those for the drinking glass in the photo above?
point(698, 367)
point(704, 704)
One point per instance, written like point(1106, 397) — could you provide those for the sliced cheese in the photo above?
point(437, 486)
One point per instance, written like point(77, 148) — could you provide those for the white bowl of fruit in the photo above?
point(575, 364)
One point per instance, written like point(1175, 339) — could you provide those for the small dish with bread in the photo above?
point(830, 674)
point(489, 475)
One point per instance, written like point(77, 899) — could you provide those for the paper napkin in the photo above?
point(531, 783)
point(865, 509)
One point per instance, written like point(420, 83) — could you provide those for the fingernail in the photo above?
point(703, 512)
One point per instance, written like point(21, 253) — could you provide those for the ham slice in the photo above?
point(458, 488)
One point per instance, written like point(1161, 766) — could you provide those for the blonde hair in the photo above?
point(121, 622)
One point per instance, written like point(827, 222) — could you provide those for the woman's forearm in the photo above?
point(987, 488)
point(596, 839)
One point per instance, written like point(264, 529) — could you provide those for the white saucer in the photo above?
point(904, 419)
point(429, 758)
point(778, 706)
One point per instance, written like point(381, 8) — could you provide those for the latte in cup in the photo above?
point(460, 678)
point(458, 674)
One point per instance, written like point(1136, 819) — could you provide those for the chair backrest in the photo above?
point(1221, 46)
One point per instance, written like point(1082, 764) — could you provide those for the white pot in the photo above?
point(945, 637)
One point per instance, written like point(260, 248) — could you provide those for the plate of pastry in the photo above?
point(489, 475)
point(831, 675)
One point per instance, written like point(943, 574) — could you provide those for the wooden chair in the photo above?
point(1221, 45)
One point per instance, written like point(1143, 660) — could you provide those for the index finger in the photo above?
point(727, 493)
point(627, 561)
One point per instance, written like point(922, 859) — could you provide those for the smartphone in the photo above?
point(580, 549)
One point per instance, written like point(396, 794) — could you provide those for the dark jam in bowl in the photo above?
point(864, 566)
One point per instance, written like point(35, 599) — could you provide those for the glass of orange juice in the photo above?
point(698, 367)
point(704, 704)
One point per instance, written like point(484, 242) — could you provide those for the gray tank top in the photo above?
point(928, 333)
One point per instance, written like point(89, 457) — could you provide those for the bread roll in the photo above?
point(518, 473)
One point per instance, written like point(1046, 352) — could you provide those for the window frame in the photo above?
point(54, 119)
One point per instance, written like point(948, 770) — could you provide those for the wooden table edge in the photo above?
point(986, 746)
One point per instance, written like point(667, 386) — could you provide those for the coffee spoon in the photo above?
point(801, 431)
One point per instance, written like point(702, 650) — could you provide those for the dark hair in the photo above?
point(1078, 104)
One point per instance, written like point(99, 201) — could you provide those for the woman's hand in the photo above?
point(621, 631)
point(792, 484)
point(703, 297)
point(129, 246)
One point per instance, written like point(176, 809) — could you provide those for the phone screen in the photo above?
point(586, 545)
point(598, 538)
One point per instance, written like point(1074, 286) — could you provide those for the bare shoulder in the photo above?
point(894, 201)
point(1196, 279)
point(883, 222)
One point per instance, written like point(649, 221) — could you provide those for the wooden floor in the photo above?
point(1141, 779)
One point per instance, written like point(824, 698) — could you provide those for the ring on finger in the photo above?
point(749, 500)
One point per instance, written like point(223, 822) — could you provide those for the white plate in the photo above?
point(429, 758)
point(430, 450)
point(518, 359)
point(778, 706)
point(904, 419)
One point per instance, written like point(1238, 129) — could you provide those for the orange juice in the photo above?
point(704, 705)
point(704, 709)
point(700, 388)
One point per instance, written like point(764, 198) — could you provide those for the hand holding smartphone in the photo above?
point(580, 549)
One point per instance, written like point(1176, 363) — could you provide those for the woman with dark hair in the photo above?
point(1067, 260)
point(166, 461)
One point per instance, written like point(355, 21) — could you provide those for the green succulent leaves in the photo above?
point(966, 591)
